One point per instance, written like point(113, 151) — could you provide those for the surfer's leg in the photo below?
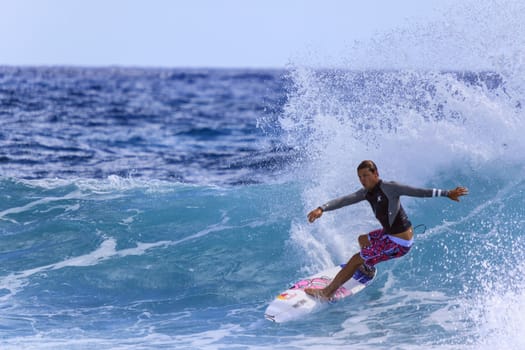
point(370, 243)
point(345, 274)
point(365, 242)
point(342, 276)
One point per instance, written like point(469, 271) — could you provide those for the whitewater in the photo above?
point(165, 208)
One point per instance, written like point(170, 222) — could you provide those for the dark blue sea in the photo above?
point(156, 208)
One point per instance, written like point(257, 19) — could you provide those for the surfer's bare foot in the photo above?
point(317, 293)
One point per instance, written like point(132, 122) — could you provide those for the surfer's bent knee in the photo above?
point(363, 241)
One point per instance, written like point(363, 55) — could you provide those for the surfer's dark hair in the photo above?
point(368, 164)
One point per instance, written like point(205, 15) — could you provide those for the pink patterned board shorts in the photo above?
point(381, 248)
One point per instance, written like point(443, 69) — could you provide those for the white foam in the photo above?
point(4, 215)
point(459, 126)
point(498, 310)
point(111, 184)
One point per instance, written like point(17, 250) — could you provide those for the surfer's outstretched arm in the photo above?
point(337, 203)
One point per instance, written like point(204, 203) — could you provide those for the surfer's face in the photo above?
point(368, 178)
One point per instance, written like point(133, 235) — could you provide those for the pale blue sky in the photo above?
point(194, 33)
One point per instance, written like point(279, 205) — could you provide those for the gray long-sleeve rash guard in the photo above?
point(384, 199)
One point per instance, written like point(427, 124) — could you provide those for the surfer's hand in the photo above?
point(315, 214)
point(457, 192)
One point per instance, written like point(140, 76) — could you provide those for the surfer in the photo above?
point(393, 240)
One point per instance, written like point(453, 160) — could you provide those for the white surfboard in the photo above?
point(294, 303)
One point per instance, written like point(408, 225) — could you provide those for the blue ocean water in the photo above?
point(164, 208)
